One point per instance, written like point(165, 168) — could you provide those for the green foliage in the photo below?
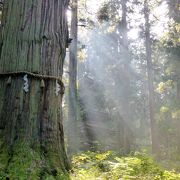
point(103, 14)
point(104, 166)
point(165, 86)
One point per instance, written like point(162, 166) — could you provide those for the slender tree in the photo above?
point(174, 52)
point(34, 41)
point(124, 46)
point(174, 13)
point(72, 114)
point(150, 79)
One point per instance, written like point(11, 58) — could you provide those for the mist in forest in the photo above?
point(101, 89)
point(90, 89)
point(118, 109)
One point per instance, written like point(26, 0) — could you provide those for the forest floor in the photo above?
point(109, 166)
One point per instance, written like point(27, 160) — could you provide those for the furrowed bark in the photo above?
point(34, 39)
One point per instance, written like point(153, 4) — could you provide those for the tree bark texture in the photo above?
point(34, 39)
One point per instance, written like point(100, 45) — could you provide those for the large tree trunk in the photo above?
point(72, 114)
point(154, 137)
point(31, 133)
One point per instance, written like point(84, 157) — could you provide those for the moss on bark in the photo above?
point(26, 161)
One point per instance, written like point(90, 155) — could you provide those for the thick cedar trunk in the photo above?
point(150, 80)
point(34, 40)
point(72, 114)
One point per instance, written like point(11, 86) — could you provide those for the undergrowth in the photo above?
point(87, 166)
point(108, 166)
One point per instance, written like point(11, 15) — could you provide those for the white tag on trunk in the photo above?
point(26, 84)
point(58, 88)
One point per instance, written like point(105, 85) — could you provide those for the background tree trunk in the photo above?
point(124, 46)
point(174, 13)
point(72, 114)
point(31, 135)
point(150, 80)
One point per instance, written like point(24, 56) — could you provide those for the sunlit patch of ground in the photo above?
point(108, 166)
